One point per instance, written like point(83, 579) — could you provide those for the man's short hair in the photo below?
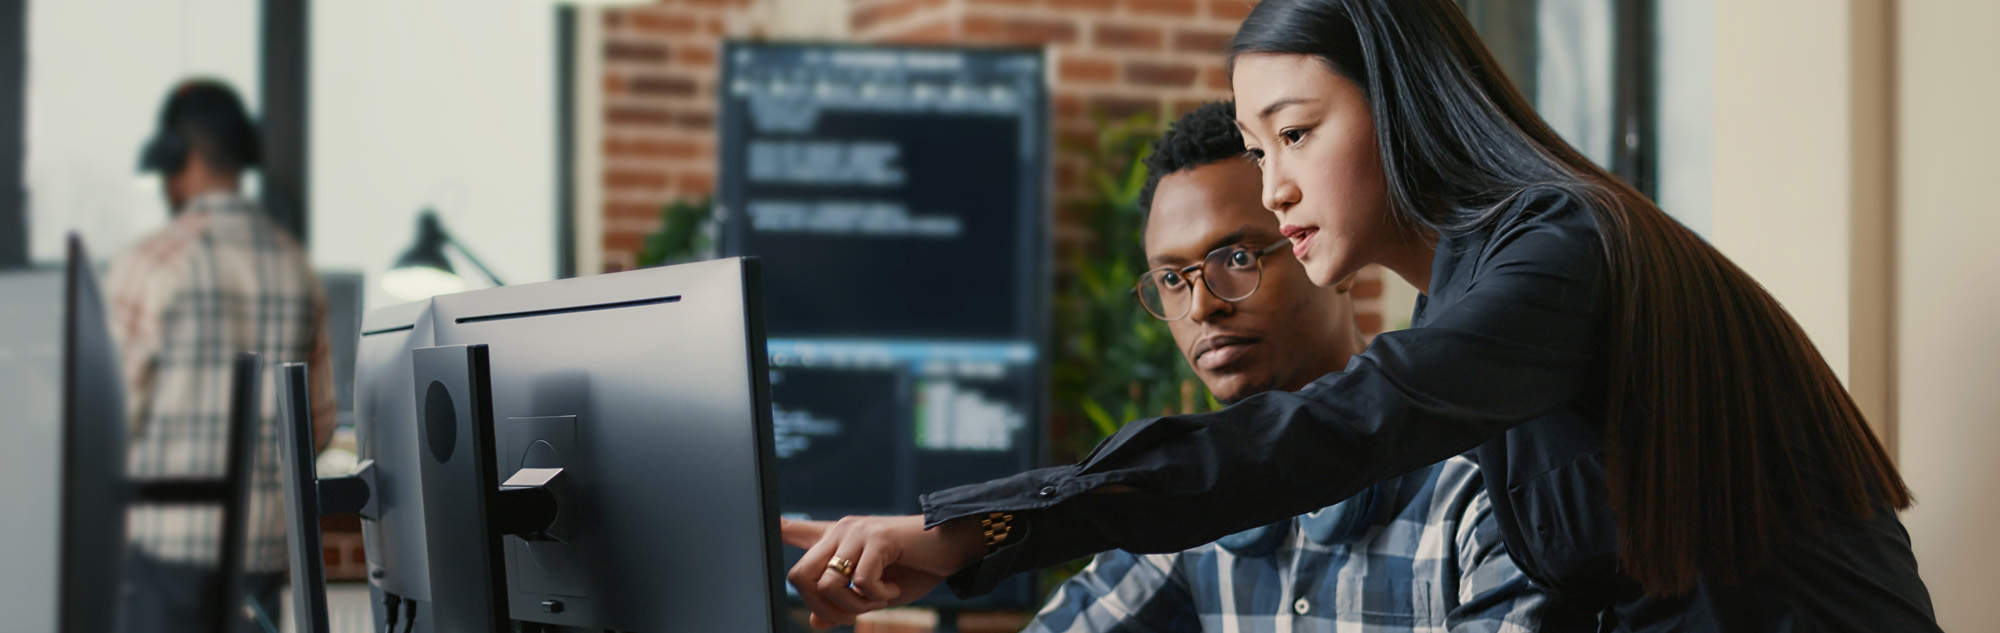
point(204, 116)
point(1203, 136)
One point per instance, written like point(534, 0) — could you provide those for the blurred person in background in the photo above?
point(220, 279)
point(1248, 320)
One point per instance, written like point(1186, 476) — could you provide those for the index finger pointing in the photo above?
point(802, 534)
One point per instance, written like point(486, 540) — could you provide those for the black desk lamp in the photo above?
point(423, 271)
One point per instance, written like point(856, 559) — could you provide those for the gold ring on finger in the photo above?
point(842, 565)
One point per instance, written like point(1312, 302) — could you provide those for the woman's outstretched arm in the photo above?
point(1509, 335)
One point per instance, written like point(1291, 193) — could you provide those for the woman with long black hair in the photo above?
point(1661, 442)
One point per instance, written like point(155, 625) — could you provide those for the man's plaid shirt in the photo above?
point(220, 279)
point(1437, 564)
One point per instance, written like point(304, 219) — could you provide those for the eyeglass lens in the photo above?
point(1231, 274)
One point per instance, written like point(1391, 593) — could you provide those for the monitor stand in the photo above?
point(307, 498)
point(467, 509)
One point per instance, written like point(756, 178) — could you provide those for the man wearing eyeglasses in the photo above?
point(1240, 307)
point(1416, 553)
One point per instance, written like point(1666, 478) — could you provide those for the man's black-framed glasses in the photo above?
point(1232, 273)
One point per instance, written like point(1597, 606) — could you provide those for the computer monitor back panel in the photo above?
point(461, 488)
point(31, 358)
point(301, 490)
point(344, 294)
point(95, 489)
point(648, 388)
point(63, 551)
point(385, 430)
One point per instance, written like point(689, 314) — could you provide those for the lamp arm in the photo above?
point(462, 250)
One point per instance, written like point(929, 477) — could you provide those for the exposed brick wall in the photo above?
point(1115, 57)
point(660, 72)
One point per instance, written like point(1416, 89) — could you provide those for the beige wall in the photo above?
point(1949, 299)
point(1801, 174)
point(1781, 148)
point(1854, 157)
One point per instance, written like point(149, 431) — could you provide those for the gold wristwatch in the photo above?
point(996, 526)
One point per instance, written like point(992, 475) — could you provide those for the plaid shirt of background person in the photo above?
point(1437, 565)
point(222, 278)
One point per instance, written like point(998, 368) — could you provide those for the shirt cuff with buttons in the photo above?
point(1032, 490)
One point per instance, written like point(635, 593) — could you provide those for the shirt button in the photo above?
point(1047, 491)
point(1302, 606)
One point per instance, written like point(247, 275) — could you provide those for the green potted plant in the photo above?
point(686, 234)
point(1113, 361)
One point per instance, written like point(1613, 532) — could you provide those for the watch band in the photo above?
point(996, 526)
